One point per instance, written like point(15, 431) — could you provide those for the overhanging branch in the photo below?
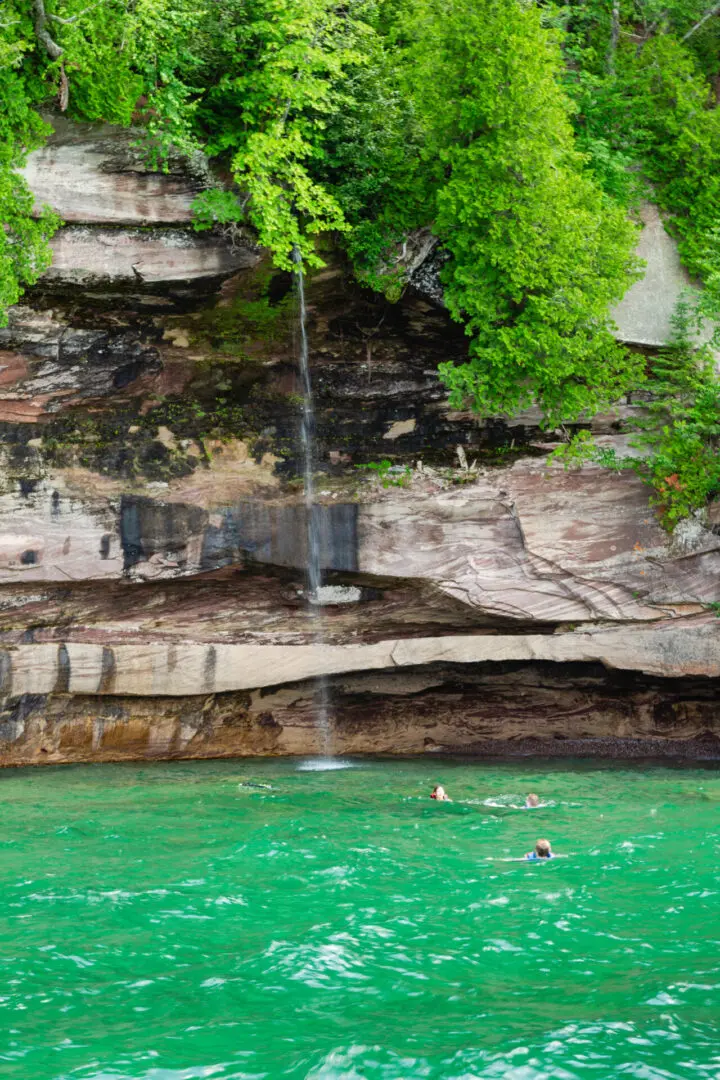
point(41, 32)
point(74, 18)
point(708, 15)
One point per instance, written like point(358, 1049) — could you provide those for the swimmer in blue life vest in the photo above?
point(542, 851)
point(438, 792)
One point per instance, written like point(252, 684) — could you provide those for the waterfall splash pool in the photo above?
point(253, 919)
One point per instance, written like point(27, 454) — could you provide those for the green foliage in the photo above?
point(286, 205)
point(368, 120)
point(24, 252)
point(649, 105)
point(281, 69)
point(681, 435)
point(680, 142)
point(108, 54)
point(216, 206)
point(538, 252)
point(389, 475)
point(579, 449)
point(372, 164)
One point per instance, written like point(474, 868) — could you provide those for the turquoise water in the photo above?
point(175, 921)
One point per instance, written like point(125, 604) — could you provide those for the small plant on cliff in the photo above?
point(389, 475)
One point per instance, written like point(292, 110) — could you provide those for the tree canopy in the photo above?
point(521, 134)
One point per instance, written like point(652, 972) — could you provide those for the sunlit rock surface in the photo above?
point(153, 535)
point(186, 669)
point(84, 255)
point(99, 179)
point(644, 315)
point(99, 174)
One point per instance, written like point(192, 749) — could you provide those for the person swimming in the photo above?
point(438, 792)
point(541, 851)
point(531, 801)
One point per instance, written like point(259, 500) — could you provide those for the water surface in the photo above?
point(255, 919)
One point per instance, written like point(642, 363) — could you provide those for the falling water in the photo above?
point(312, 516)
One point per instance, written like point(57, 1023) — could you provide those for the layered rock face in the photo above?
point(153, 536)
point(95, 177)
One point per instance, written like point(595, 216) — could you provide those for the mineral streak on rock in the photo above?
point(543, 547)
point(505, 707)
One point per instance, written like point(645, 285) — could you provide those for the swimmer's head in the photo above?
point(532, 800)
point(438, 792)
point(542, 849)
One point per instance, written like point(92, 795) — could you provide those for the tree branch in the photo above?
point(708, 15)
point(51, 47)
point(64, 92)
point(74, 18)
point(614, 35)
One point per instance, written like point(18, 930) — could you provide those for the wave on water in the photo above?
point(524, 859)
point(512, 802)
point(327, 764)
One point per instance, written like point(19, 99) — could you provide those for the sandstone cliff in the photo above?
point(152, 543)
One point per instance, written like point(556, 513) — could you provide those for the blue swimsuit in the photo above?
point(534, 855)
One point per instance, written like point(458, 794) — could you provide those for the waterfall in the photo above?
point(313, 567)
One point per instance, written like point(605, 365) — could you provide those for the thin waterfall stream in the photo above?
point(313, 568)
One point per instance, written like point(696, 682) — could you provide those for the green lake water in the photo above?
point(254, 919)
